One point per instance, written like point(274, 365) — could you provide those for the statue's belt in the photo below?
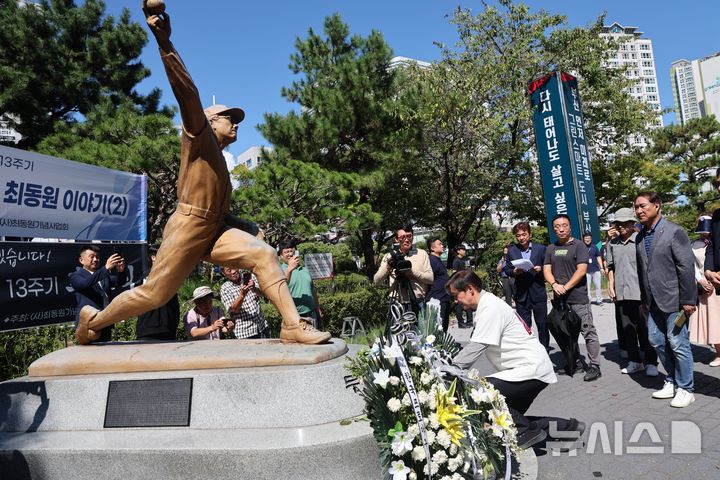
point(187, 209)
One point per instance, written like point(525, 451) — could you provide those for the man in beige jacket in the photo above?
point(419, 275)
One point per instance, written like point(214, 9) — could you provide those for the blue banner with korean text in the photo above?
point(50, 197)
point(563, 156)
point(35, 288)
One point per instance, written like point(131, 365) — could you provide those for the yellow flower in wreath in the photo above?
point(450, 416)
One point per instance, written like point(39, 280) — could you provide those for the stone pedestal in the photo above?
point(258, 410)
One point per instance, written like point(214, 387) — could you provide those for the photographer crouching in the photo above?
point(408, 268)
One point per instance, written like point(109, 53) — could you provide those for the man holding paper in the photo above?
point(524, 263)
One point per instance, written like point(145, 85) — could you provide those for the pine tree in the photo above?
point(58, 60)
point(346, 124)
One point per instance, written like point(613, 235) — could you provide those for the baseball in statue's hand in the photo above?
point(155, 7)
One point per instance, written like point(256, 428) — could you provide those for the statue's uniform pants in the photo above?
point(189, 238)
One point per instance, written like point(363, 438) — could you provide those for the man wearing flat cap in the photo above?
point(201, 227)
point(624, 288)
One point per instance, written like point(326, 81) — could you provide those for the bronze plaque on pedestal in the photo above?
point(149, 403)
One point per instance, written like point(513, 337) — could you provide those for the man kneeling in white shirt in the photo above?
point(522, 363)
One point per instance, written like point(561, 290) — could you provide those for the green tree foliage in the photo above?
point(346, 124)
point(681, 162)
point(476, 123)
point(59, 59)
point(122, 138)
point(291, 198)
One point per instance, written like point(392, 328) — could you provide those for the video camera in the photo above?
point(397, 259)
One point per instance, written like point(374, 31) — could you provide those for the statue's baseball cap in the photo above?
point(236, 114)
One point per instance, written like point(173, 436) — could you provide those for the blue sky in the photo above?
point(239, 51)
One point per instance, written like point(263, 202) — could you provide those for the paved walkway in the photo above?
point(629, 434)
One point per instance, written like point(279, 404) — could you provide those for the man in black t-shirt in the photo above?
point(565, 266)
point(160, 323)
point(464, 318)
point(440, 278)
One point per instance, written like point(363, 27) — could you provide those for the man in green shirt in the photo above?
point(300, 283)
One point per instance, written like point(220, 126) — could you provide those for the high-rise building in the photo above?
point(696, 87)
point(251, 157)
point(637, 54)
point(399, 61)
point(7, 132)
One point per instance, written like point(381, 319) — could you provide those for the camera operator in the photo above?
point(408, 268)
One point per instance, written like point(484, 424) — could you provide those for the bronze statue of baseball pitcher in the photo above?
point(201, 227)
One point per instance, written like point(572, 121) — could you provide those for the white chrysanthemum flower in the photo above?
point(454, 464)
point(394, 404)
point(434, 467)
point(445, 477)
point(430, 339)
point(453, 449)
point(434, 422)
point(426, 378)
point(423, 397)
point(444, 439)
point(412, 475)
point(414, 429)
point(415, 360)
point(418, 453)
point(382, 377)
point(440, 457)
point(457, 476)
point(406, 400)
point(394, 381)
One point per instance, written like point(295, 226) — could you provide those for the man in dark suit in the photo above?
point(666, 270)
point(712, 252)
point(92, 283)
point(530, 295)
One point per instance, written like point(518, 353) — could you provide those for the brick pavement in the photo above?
point(629, 434)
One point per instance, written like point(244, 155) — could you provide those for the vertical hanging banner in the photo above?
point(50, 197)
point(562, 152)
